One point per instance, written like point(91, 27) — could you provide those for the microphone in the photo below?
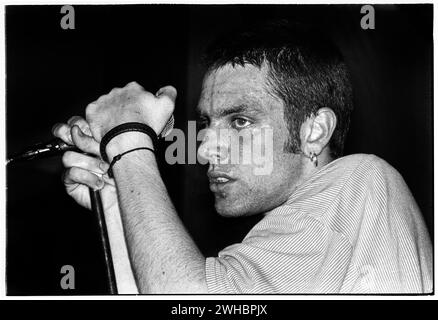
point(57, 146)
point(41, 150)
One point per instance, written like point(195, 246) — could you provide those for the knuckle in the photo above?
point(73, 120)
point(100, 100)
point(83, 144)
point(62, 131)
point(115, 91)
point(91, 163)
point(133, 84)
point(90, 109)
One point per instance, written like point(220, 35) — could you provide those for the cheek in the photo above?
point(253, 194)
point(269, 153)
point(255, 186)
point(257, 149)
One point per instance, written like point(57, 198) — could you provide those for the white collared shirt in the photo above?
point(352, 227)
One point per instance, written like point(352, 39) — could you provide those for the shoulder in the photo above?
point(370, 174)
point(363, 162)
point(352, 172)
point(373, 163)
point(363, 168)
point(348, 188)
point(375, 172)
point(376, 191)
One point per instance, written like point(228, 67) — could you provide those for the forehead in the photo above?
point(229, 86)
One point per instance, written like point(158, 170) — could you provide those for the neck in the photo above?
point(306, 169)
point(310, 167)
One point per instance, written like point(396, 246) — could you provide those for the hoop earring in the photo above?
point(314, 158)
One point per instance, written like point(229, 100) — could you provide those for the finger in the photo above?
point(134, 85)
point(81, 123)
point(76, 159)
point(167, 95)
point(62, 131)
point(75, 175)
point(84, 142)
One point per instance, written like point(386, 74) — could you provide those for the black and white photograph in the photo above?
point(219, 149)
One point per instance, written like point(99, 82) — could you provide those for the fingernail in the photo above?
point(103, 166)
point(100, 184)
point(171, 92)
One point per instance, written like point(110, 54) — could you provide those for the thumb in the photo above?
point(167, 95)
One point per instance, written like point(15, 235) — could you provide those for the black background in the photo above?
point(53, 74)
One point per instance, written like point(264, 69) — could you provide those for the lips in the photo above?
point(219, 180)
point(219, 176)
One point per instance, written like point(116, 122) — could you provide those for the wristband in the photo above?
point(119, 156)
point(126, 127)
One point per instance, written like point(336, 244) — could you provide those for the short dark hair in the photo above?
point(306, 71)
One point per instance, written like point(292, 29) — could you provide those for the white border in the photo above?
point(2, 157)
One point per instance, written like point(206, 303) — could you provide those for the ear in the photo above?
point(317, 131)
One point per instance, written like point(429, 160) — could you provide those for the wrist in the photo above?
point(127, 141)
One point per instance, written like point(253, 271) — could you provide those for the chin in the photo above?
point(227, 208)
point(232, 209)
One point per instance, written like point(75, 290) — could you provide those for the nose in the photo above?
point(213, 149)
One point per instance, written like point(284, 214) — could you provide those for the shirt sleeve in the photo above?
point(306, 258)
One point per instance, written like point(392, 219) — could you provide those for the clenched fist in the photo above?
point(130, 104)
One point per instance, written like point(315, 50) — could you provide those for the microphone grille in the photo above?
point(168, 127)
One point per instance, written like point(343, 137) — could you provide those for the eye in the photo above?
point(202, 123)
point(240, 123)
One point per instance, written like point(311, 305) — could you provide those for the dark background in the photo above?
point(53, 74)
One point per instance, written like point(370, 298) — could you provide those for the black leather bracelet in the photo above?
point(119, 156)
point(126, 127)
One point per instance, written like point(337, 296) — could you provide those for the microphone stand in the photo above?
point(96, 206)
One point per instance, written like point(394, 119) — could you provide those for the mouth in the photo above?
point(219, 181)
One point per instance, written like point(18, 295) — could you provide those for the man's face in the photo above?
point(237, 100)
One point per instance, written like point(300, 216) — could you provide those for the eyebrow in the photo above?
point(241, 108)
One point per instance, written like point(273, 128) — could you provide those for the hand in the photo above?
point(83, 171)
point(130, 104)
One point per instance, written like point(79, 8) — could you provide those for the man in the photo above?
point(330, 224)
